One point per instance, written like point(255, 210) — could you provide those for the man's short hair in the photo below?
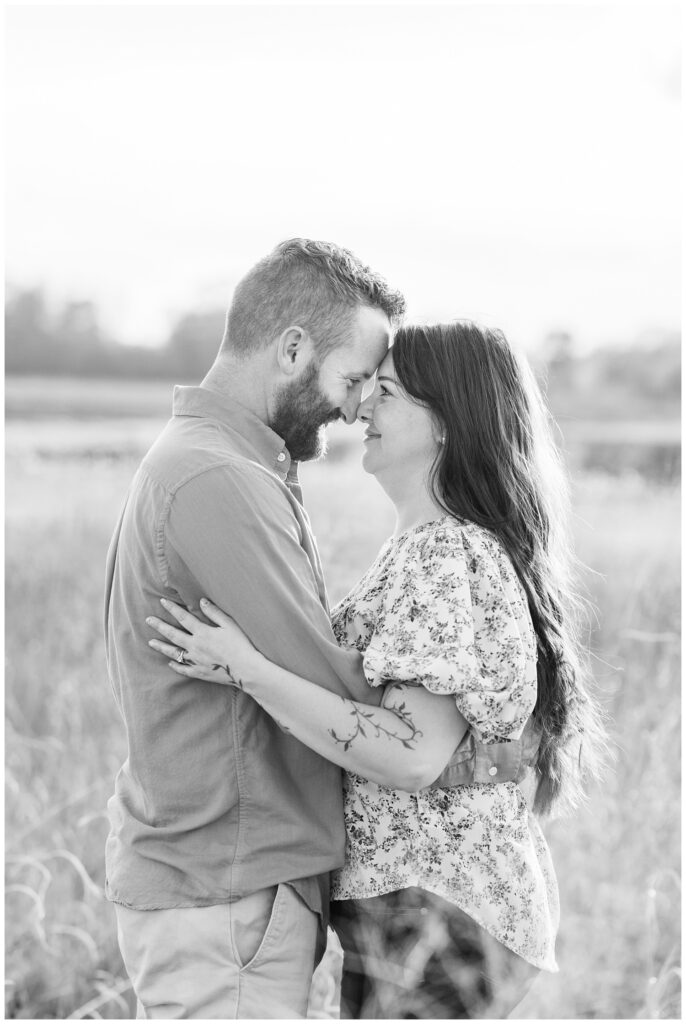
point(315, 285)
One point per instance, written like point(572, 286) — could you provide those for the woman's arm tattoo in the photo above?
point(238, 683)
point(366, 719)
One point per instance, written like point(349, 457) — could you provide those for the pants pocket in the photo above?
point(249, 922)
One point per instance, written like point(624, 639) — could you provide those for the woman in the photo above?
point(464, 620)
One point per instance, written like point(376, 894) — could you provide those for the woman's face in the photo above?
point(401, 436)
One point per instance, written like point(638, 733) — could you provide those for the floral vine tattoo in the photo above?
point(238, 683)
point(366, 719)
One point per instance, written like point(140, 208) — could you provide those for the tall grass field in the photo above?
point(70, 455)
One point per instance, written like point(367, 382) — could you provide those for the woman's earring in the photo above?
point(442, 441)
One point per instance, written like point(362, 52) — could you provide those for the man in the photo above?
point(223, 827)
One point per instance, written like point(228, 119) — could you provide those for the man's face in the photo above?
point(332, 389)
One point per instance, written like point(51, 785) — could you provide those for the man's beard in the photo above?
point(300, 415)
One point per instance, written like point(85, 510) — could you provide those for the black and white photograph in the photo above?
point(342, 511)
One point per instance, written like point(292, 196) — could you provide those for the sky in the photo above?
point(516, 164)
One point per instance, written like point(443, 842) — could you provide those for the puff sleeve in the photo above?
point(454, 619)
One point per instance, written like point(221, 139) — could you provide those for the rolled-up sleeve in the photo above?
point(232, 535)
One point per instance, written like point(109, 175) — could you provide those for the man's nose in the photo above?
point(349, 412)
point(351, 405)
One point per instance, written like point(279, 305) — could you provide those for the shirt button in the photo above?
point(493, 770)
point(281, 457)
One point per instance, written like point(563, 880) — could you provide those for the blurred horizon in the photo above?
point(517, 165)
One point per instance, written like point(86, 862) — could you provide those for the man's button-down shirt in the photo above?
point(214, 800)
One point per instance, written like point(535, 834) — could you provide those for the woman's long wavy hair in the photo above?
point(499, 468)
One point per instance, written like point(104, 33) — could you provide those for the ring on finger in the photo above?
point(180, 656)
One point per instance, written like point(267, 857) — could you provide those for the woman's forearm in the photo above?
point(405, 743)
point(388, 745)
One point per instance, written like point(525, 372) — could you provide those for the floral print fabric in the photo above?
point(442, 607)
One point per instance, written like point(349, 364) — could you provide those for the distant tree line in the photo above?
point(639, 380)
point(69, 342)
point(636, 380)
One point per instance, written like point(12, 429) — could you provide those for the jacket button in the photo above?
point(493, 770)
point(281, 457)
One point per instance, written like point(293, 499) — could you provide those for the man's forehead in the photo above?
point(386, 361)
point(372, 325)
point(367, 343)
point(365, 361)
point(370, 365)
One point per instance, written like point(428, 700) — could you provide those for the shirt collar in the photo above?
point(269, 447)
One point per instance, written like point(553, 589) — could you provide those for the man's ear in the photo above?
point(294, 349)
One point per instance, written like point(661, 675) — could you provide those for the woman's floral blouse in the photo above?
point(442, 607)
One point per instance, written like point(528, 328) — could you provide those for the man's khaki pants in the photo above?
point(251, 959)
